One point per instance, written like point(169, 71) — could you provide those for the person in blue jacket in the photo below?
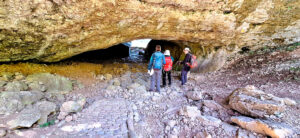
point(157, 61)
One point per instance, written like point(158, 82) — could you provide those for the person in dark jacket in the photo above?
point(186, 68)
point(167, 68)
point(156, 63)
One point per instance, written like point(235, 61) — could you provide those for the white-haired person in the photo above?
point(186, 68)
point(167, 68)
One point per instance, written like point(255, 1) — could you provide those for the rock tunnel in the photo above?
point(53, 30)
point(142, 48)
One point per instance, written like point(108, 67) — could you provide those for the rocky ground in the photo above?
point(210, 105)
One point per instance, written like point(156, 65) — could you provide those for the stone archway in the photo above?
point(53, 30)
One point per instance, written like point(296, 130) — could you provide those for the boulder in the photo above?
point(190, 111)
point(11, 102)
point(19, 76)
point(209, 120)
point(69, 118)
point(6, 76)
point(53, 83)
point(288, 101)
point(212, 105)
point(16, 86)
point(256, 103)
point(108, 77)
point(71, 107)
point(116, 82)
point(111, 87)
point(55, 97)
point(45, 109)
point(26, 118)
point(194, 95)
point(265, 127)
point(36, 86)
point(30, 97)
point(2, 133)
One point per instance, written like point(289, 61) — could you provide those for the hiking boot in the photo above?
point(150, 90)
point(163, 86)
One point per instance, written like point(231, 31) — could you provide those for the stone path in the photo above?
point(104, 118)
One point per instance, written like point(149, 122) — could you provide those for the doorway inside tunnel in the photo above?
point(136, 51)
point(174, 48)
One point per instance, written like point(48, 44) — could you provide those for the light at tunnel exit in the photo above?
point(141, 43)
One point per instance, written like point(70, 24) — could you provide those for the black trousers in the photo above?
point(165, 73)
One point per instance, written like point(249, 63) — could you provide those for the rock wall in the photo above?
point(51, 30)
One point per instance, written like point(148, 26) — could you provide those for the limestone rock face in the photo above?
point(11, 102)
point(52, 83)
point(25, 118)
point(45, 108)
point(194, 95)
point(16, 86)
point(256, 103)
point(53, 30)
point(273, 129)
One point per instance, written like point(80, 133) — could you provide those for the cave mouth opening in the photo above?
point(136, 51)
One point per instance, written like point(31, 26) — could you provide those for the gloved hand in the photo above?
point(148, 71)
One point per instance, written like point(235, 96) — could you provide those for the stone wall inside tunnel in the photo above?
point(175, 49)
point(115, 52)
point(52, 30)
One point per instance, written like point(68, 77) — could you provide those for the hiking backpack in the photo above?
point(193, 63)
point(169, 64)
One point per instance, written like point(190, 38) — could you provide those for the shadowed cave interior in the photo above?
point(135, 51)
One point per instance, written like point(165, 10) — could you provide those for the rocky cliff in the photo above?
point(51, 30)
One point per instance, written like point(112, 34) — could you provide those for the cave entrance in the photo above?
point(136, 51)
point(126, 52)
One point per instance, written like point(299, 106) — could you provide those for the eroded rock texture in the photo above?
point(51, 30)
point(253, 102)
point(266, 127)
